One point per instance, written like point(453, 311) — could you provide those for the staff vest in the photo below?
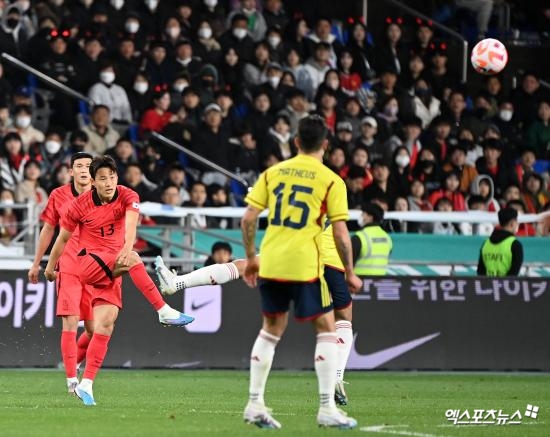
point(376, 246)
point(497, 257)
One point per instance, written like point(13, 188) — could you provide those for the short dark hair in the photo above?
point(80, 155)
point(506, 215)
point(312, 131)
point(104, 161)
point(374, 210)
point(475, 198)
point(221, 245)
point(98, 107)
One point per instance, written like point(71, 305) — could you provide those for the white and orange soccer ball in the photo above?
point(489, 56)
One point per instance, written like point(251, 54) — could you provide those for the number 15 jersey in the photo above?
point(102, 227)
point(298, 192)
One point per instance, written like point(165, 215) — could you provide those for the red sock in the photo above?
point(95, 355)
point(82, 345)
point(68, 352)
point(145, 284)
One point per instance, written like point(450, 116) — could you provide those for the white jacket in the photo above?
point(114, 97)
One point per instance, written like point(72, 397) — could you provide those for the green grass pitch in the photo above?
point(203, 403)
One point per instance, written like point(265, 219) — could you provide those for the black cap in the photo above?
point(374, 210)
point(506, 215)
point(80, 155)
point(221, 245)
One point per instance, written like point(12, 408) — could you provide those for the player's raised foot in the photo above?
point(335, 418)
point(340, 396)
point(259, 415)
point(71, 385)
point(166, 277)
point(176, 319)
point(86, 395)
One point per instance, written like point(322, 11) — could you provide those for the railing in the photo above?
point(27, 236)
point(441, 27)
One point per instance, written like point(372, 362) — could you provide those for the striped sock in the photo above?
point(213, 274)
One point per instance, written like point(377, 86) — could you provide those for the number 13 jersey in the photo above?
point(299, 193)
point(102, 226)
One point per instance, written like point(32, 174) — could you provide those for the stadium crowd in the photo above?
point(231, 79)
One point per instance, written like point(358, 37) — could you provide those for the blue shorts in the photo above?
point(311, 299)
point(336, 281)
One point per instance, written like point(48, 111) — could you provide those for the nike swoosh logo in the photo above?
point(375, 359)
point(196, 307)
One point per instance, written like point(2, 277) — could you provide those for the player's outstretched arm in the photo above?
point(343, 245)
point(248, 228)
point(57, 250)
point(44, 240)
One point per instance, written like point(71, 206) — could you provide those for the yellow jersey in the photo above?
point(330, 256)
point(298, 192)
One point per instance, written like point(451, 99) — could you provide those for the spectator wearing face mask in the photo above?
point(273, 86)
point(426, 106)
point(13, 36)
point(256, 24)
point(185, 60)
point(237, 37)
point(207, 47)
point(50, 154)
point(214, 13)
point(23, 126)
point(507, 122)
point(107, 92)
point(133, 30)
point(400, 171)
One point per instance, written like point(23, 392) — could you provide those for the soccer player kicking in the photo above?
point(73, 298)
point(298, 193)
point(107, 219)
point(333, 274)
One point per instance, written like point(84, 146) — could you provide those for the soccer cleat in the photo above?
point(259, 415)
point(182, 320)
point(166, 277)
point(335, 418)
point(87, 397)
point(340, 396)
point(71, 386)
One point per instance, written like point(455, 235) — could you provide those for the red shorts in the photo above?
point(96, 270)
point(73, 297)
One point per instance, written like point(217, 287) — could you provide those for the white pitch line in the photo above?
point(387, 429)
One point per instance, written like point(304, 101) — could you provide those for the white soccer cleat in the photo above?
point(166, 277)
point(259, 415)
point(335, 418)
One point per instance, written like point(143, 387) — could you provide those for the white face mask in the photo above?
point(141, 87)
point(24, 5)
point(7, 201)
point(131, 26)
point(402, 160)
point(117, 4)
point(239, 32)
point(248, 12)
point(506, 114)
point(179, 87)
point(391, 110)
point(273, 41)
point(274, 81)
point(23, 121)
point(52, 147)
point(107, 77)
point(205, 33)
point(211, 3)
point(152, 4)
point(173, 32)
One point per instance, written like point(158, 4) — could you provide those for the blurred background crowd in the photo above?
point(230, 80)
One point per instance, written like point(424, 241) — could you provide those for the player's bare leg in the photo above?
point(212, 274)
point(105, 316)
point(261, 359)
point(344, 332)
point(326, 360)
point(168, 316)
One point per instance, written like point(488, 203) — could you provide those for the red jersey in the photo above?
point(57, 206)
point(102, 227)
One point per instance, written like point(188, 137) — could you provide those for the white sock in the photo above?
point(86, 385)
point(209, 275)
point(326, 357)
point(71, 380)
point(344, 332)
point(261, 358)
point(168, 312)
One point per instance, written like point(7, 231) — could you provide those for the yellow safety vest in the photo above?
point(376, 246)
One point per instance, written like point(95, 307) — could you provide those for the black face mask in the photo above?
point(12, 22)
point(77, 147)
point(427, 163)
point(207, 83)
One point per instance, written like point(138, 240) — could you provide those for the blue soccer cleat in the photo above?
point(181, 320)
point(86, 396)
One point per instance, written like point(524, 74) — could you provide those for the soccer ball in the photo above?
point(489, 56)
